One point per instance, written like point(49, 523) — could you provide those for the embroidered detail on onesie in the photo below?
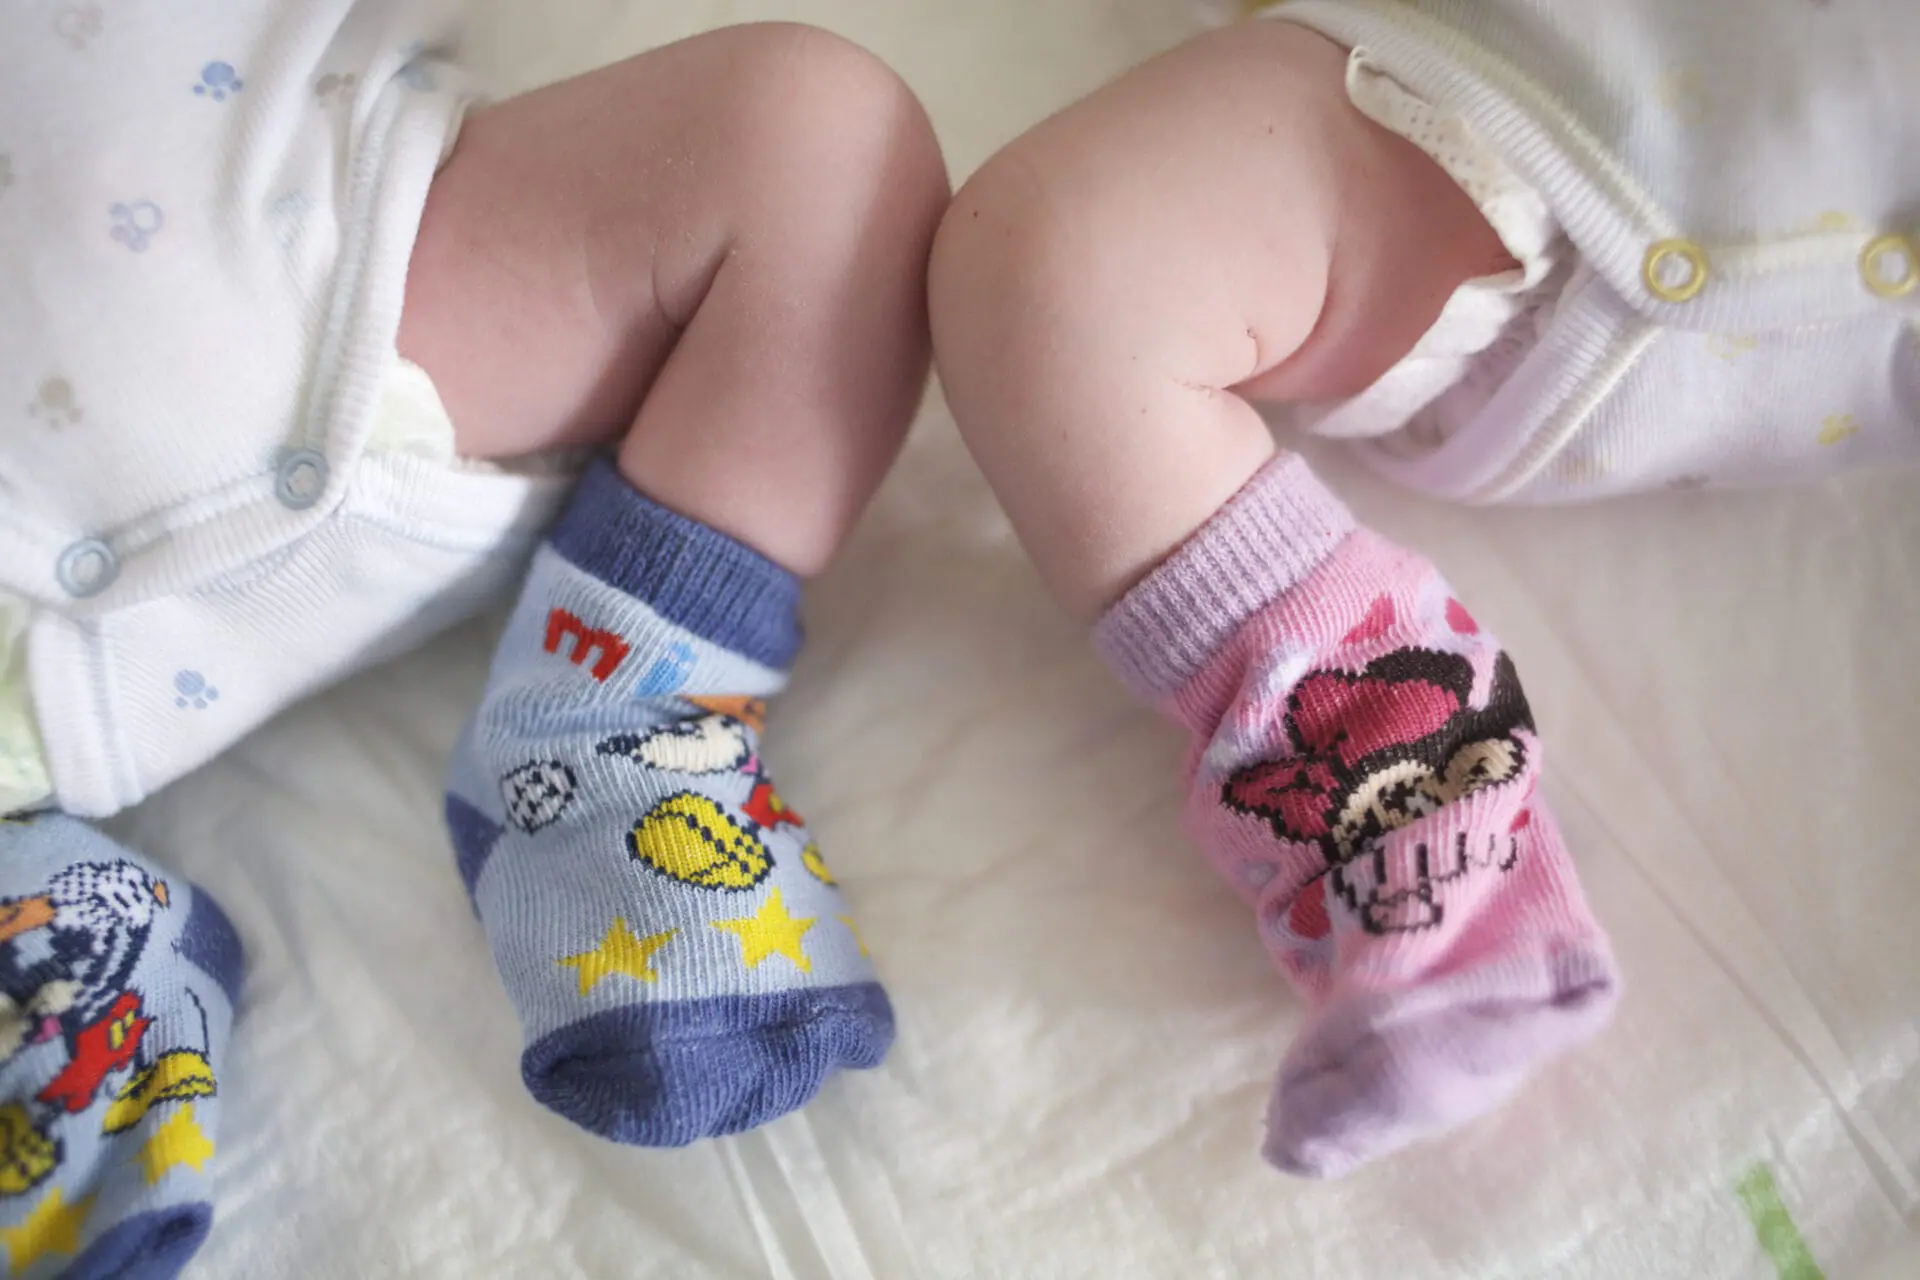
point(136, 223)
point(217, 80)
point(331, 89)
point(56, 404)
point(191, 689)
point(1683, 92)
point(78, 23)
point(1836, 427)
point(1731, 346)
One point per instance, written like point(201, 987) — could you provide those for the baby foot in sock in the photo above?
point(680, 958)
point(118, 984)
point(1365, 773)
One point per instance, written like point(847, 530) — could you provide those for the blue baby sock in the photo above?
point(117, 984)
point(682, 964)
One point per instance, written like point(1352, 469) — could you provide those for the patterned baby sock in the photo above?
point(681, 961)
point(1363, 772)
point(117, 984)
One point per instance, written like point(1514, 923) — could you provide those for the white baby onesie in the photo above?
point(1716, 209)
point(206, 214)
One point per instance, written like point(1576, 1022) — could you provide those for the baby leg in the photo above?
point(714, 256)
point(1108, 296)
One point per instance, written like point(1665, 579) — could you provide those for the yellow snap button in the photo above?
point(1675, 270)
point(1888, 266)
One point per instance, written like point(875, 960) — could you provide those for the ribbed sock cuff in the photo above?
point(1263, 542)
point(720, 589)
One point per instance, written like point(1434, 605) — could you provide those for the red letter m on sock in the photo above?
point(586, 639)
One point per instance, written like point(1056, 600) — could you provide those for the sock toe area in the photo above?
point(1375, 1073)
point(148, 1246)
point(667, 1074)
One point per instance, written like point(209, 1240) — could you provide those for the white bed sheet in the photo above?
point(1088, 1025)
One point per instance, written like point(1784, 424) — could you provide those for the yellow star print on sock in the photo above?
point(621, 951)
point(767, 931)
point(179, 1141)
point(52, 1227)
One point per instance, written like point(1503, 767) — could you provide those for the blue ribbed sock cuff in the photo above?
point(718, 588)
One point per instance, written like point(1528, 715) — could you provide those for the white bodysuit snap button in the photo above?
point(1675, 270)
point(87, 568)
point(1889, 267)
point(301, 480)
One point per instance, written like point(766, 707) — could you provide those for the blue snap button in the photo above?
point(301, 480)
point(87, 568)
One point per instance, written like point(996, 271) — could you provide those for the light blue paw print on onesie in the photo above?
point(192, 690)
point(136, 223)
point(217, 80)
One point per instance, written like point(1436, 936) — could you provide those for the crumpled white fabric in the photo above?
point(1088, 1024)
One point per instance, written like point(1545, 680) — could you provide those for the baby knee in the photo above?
point(841, 134)
point(1024, 261)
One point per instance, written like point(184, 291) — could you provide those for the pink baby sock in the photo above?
point(1364, 772)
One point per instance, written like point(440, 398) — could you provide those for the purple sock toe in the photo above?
point(1374, 1074)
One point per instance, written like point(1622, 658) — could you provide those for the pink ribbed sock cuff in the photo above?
point(1266, 539)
